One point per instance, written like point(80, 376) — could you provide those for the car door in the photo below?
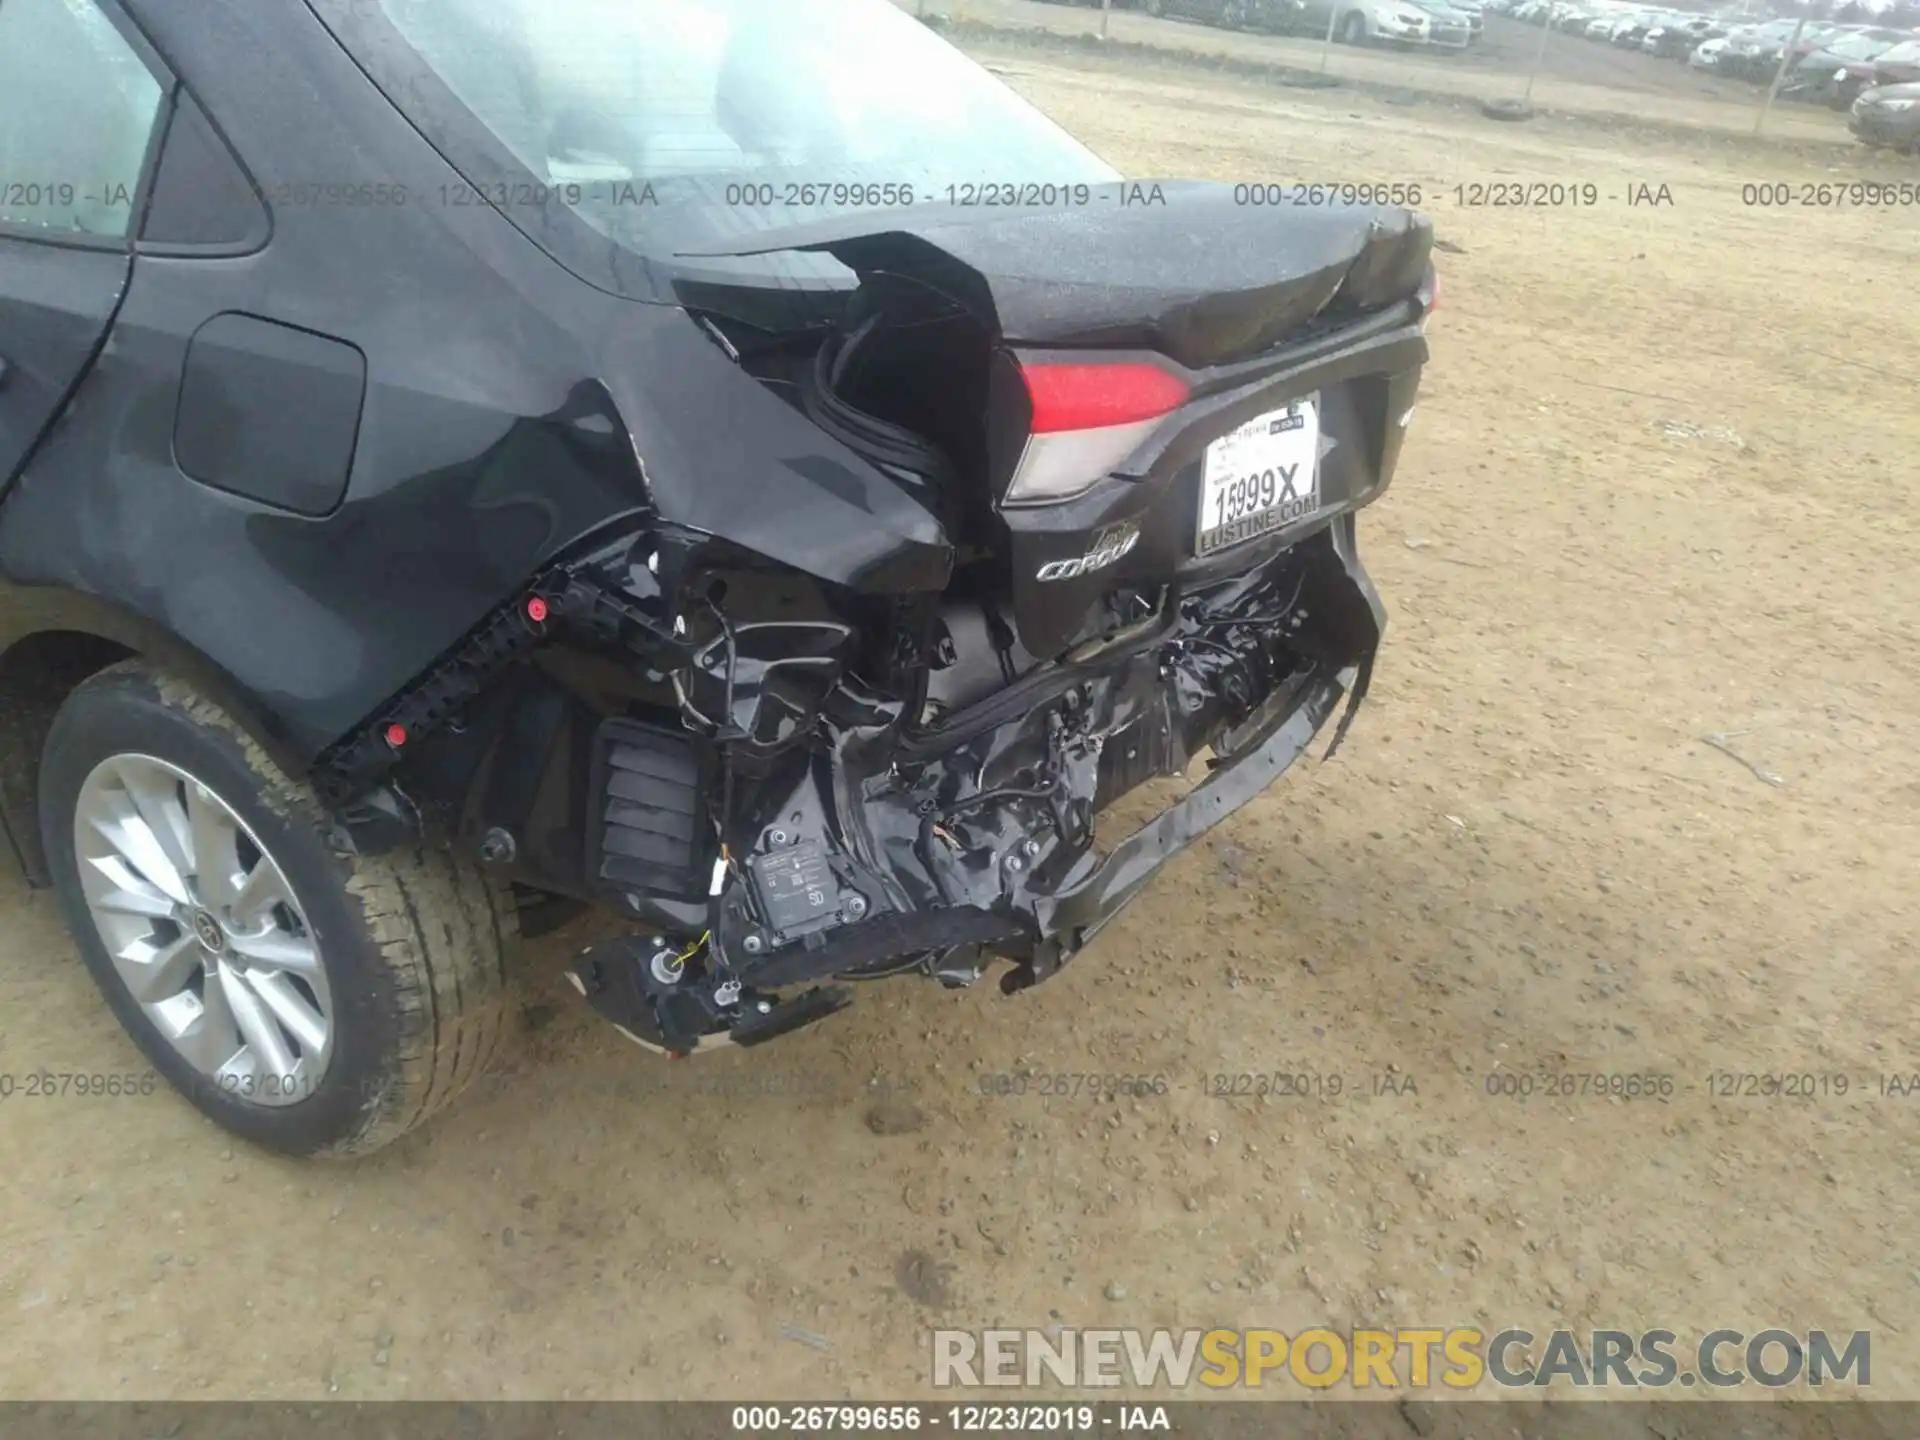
point(80, 105)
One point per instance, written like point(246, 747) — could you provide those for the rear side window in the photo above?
point(77, 112)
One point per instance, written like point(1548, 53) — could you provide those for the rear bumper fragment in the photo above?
point(1081, 909)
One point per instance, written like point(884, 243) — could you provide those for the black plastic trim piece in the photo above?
point(347, 767)
point(1080, 910)
point(648, 831)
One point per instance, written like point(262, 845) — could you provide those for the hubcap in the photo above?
point(207, 928)
point(204, 929)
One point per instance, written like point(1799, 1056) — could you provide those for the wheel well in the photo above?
point(37, 673)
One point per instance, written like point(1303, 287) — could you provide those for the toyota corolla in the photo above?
point(728, 462)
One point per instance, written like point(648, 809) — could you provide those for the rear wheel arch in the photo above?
point(37, 673)
point(401, 959)
point(53, 639)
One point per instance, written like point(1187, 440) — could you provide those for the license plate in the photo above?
point(1260, 476)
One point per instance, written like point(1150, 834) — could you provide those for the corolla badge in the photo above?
point(1109, 547)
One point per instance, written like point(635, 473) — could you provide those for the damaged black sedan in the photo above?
point(727, 462)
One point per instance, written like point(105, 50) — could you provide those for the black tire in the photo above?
point(1509, 110)
point(414, 944)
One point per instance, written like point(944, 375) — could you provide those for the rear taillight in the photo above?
point(1086, 419)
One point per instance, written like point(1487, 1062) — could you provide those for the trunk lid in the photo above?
point(1296, 329)
point(1188, 269)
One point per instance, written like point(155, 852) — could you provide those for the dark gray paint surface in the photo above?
point(270, 412)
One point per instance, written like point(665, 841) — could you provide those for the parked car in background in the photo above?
point(1476, 13)
point(1888, 116)
point(1679, 37)
point(1359, 22)
point(1448, 27)
point(1837, 74)
point(1813, 39)
point(1745, 54)
point(1627, 36)
point(1628, 33)
point(1272, 15)
point(1706, 55)
point(1897, 66)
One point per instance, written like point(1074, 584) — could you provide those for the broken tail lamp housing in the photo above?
point(1087, 417)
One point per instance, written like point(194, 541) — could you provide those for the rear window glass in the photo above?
point(670, 125)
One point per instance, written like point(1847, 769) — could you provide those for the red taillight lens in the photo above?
point(1087, 418)
point(1091, 397)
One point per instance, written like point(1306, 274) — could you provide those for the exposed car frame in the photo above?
point(427, 520)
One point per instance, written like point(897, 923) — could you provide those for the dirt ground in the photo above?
point(1660, 488)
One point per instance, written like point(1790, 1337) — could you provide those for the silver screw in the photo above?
point(763, 1006)
point(753, 944)
point(1015, 864)
point(1031, 849)
point(778, 837)
point(856, 906)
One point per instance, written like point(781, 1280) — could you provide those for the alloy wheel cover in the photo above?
point(204, 929)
